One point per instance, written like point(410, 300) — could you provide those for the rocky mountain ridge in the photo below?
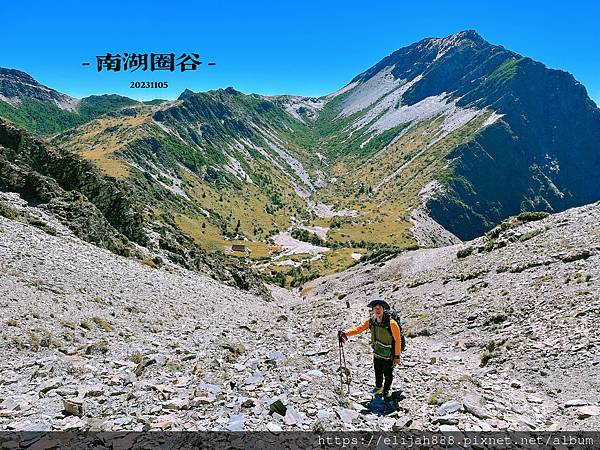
point(16, 86)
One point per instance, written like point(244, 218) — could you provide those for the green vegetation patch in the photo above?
point(8, 211)
point(531, 216)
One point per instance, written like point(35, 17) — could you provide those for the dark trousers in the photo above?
point(383, 368)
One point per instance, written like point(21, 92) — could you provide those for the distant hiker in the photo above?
point(386, 341)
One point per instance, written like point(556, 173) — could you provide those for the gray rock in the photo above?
point(449, 419)
point(323, 414)
point(236, 422)
point(176, 404)
point(211, 388)
point(10, 405)
point(122, 421)
point(584, 412)
point(524, 422)
point(484, 425)
point(292, 417)
point(49, 385)
point(576, 402)
point(37, 425)
point(474, 405)
point(74, 406)
point(71, 423)
point(402, 423)
point(273, 427)
point(66, 392)
point(347, 415)
point(534, 399)
point(448, 428)
point(276, 356)
point(255, 378)
point(448, 407)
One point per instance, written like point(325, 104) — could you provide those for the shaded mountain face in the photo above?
point(537, 149)
point(439, 141)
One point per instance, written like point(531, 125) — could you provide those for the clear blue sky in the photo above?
point(306, 47)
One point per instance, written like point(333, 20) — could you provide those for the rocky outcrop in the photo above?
point(95, 208)
point(100, 209)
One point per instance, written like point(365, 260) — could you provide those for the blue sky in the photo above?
point(305, 48)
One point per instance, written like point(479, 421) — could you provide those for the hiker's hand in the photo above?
point(343, 337)
point(396, 361)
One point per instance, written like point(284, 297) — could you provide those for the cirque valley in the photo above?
point(429, 178)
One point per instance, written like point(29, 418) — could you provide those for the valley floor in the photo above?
point(124, 346)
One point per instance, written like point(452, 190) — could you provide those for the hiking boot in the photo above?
point(387, 397)
point(377, 391)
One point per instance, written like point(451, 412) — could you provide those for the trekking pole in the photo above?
point(343, 370)
point(341, 350)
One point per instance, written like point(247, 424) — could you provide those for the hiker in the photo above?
point(386, 343)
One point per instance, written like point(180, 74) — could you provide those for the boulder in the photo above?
point(587, 411)
point(74, 406)
point(475, 405)
point(448, 407)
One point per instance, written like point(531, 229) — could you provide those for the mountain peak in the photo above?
point(467, 34)
point(16, 85)
point(468, 37)
point(17, 75)
point(185, 94)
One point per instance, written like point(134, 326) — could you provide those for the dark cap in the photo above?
point(378, 301)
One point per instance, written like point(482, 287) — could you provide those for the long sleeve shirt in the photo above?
point(393, 326)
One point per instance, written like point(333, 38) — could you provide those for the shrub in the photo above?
point(306, 236)
point(434, 398)
point(489, 245)
point(136, 357)
point(38, 223)
point(69, 324)
point(530, 234)
point(100, 347)
point(102, 324)
point(8, 211)
point(530, 216)
point(485, 358)
point(149, 262)
point(34, 341)
point(18, 342)
point(463, 253)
